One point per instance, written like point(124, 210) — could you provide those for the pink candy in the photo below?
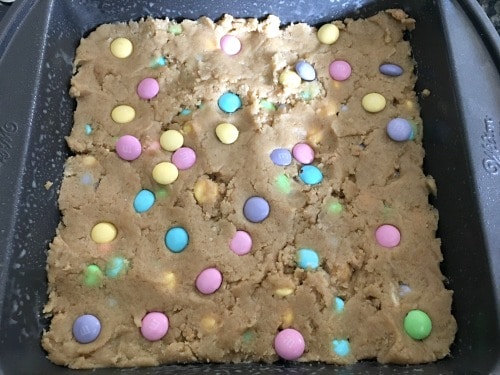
point(241, 243)
point(289, 344)
point(209, 280)
point(303, 153)
point(154, 326)
point(340, 70)
point(230, 44)
point(128, 147)
point(148, 88)
point(184, 158)
point(388, 236)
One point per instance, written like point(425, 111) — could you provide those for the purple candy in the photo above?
point(399, 130)
point(256, 209)
point(128, 147)
point(86, 328)
point(281, 156)
point(392, 70)
point(148, 88)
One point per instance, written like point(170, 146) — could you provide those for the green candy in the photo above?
point(335, 208)
point(175, 29)
point(283, 184)
point(267, 105)
point(93, 275)
point(417, 324)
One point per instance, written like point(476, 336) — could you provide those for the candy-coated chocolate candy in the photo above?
point(184, 158)
point(399, 129)
point(310, 175)
point(341, 347)
point(93, 275)
point(103, 233)
point(289, 344)
point(165, 173)
point(373, 102)
point(305, 70)
point(116, 266)
point(123, 114)
point(171, 140)
point(227, 133)
point(154, 326)
point(388, 236)
point(230, 44)
point(303, 153)
point(417, 324)
point(392, 70)
point(241, 243)
point(209, 280)
point(148, 88)
point(290, 79)
point(229, 102)
point(86, 328)
point(256, 209)
point(281, 156)
point(121, 48)
point(340, 70)
point(307, 259)
point(128, 147)
point(176, 239)
point(143, 201)
point(328, 33)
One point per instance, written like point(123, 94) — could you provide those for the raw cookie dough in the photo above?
point(314, 263)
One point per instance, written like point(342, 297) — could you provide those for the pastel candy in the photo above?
point(303, 153)
point(305, 70)
point(256, 209)
point(388, 236)
point(143, 201)
point(128, 147)
point(310, 175)
point(121, 47)
point(229, 102)
point(230, 44)
point(154, 326)
point(399, 129)
point(289, 344)
point(148, 88)
point(307, 259)
point(392, 70)
point(340, 70)
point(241, 243)
point(417, 324)
point(209, 280)
point(176, 239)
point(328, 33)
point(86, 328)
point(281, 156)
point(184, 158)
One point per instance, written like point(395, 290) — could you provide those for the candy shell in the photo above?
point(165, 173)
point(103, 233)
point(115, 267)
point(121, 48)
point(339, 304)
point(417, 324)
point(86, 328)
point(303, 153)
point(388, 236)
point(310, 175)
point(373, 102)
point(256, 209)
point(154, 326)
point(184, 158)
point(305, 70)
point(171, 140)
point(281, 157)
point(148, 88)
point(227, 133)
point(241, 243)
point(229, 102)
point(392, 70)
point(176, 239)
point(209, 280)
point(289, 344)
point(340, 70)
point(230, 44)
point(341, 347)
point(328, 33)
point(399, 129)
point(290, 79)
point(307, 259)
point(143, 201)
point(123, 114)
point(128, 147)
point(93, 275)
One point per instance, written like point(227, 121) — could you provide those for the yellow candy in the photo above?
point(123, 114)
point(328, 33)
point(227, 133)
point(89, 160)
point(205, 190)
point(170, 280)
point(290, 79)
point(283, 292)
point(121, 48)
point(103, 233)
point(165, 173)
point(287, 318)
point(373, 102)
point(208, 323)
point(171, 140)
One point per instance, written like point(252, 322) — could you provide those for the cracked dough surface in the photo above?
point(374, 179)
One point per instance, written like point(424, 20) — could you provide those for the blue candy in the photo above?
point(115, 267)
point(143, 201)
point(339, 304)
point(86, 328)
point(229, 102)
point(307, 259)
point(399, 130)
point(391, 70)
point(281, 156)
point(305, 71)
point(341, 347)
point(176, 239)
point(310, 175)
point(256, 209)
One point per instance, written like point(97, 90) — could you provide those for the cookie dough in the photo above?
point(235, 196)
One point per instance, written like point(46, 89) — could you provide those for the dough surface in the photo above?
point(368, 180)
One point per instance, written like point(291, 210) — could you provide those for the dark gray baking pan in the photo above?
point(457, 55)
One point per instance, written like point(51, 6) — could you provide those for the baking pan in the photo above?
point(457, 54)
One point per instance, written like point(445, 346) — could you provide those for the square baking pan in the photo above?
point(457, 58)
